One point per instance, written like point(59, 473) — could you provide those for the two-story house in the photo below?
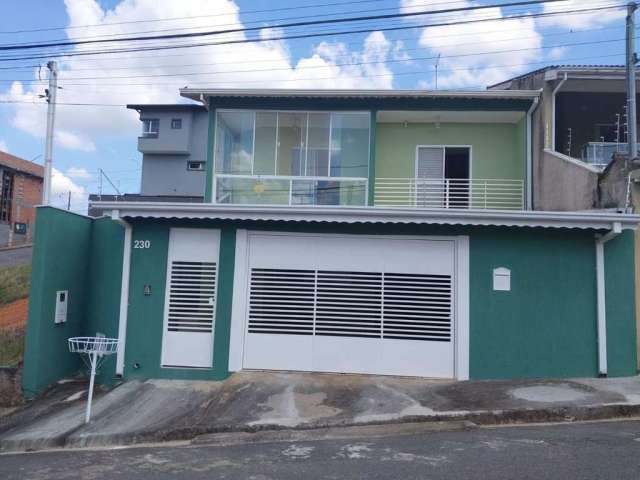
point(379, 232)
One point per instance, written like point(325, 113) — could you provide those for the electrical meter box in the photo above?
point(62, 298)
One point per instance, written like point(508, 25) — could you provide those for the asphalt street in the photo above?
point(584, 451)
point(15, 256)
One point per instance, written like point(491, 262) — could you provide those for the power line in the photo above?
point(189, 17)
point(154, 57)
point(262, 22)
point(414, 72)
point(278, 26)
point(309, 35)
point(332, 65)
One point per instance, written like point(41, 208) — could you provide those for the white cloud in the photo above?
point(80, 173)
point(557, 52)
point(3, 146)
point(584, 20)
point(78, 128)
point(473, 53)
point(62, 186)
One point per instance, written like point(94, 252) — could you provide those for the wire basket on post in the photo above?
point(94, 350)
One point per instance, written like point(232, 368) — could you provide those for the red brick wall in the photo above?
point(27, 192)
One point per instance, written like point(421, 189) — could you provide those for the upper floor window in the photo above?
point(195, 166)
point(150, 127)
point(298, 144)
point(176, 123)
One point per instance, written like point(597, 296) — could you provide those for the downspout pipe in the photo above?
point(553, 111)
point(600, 293)
point(529, 146)
point(124, 291)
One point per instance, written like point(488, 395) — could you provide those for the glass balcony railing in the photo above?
point(599, 154)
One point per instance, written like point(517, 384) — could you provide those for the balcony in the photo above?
point(450, 193)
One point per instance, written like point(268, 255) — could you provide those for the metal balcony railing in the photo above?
point(450, 193)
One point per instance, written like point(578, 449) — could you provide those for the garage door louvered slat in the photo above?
point(352, 304)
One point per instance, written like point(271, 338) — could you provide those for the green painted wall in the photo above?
point(620, 296)
point(60, 253)
point(497, 149)
point(102, 308)
point(145, 316)
point(544, 327)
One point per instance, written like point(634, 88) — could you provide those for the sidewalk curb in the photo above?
point(16, 247)
point(206, 434)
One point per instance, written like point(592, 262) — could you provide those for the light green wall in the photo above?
point(497, 149)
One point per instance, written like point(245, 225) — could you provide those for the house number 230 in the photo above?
point(142, 244)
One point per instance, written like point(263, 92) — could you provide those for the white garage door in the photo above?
point(350, 304)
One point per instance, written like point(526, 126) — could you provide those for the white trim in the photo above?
point(437, 216)
point(124, 295)
point(574, 161)
point(601, 297)
point(462, 307)
point(195, 93)
point(529, 156)
point(553, 111)
point(239, 303)
point(291, 177)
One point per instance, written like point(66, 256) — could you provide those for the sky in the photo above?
point(89, 138)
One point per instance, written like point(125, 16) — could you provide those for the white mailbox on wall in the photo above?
point(502, 279)
point(62, 298)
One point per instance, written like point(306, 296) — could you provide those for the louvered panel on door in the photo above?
point(349, 304)
point(192, 293)
point(281, 301)
point(417, 307)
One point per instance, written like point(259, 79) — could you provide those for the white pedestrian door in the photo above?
point(350, 304)
point(190, 299)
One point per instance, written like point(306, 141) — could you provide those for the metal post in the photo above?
point(51, 115)
point(631, 81)
point(94, 359)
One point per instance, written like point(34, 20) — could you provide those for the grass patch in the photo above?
point(14, 283)
point(11, 347)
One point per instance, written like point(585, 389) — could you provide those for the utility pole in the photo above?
point(632, 137)
point(437, 62)
point(69, 201)
point(51, 116)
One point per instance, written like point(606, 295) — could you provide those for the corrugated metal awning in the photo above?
point(596, 220)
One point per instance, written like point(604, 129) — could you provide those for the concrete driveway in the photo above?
point(157, 410)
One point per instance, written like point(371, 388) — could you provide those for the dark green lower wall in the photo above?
point(84, 256)
point(544, 327)
point(146, 312)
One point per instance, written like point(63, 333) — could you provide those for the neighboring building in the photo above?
point(578, 126)
point(379, 232)
point(20, 192)
point(173, 144)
